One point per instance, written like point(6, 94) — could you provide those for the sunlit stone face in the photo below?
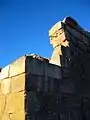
point(57, 35)
point(59, 38)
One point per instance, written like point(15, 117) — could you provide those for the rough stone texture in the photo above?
point(33, 89)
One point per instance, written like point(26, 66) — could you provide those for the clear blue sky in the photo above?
point(24, 25)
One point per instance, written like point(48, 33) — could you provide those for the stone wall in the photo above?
point(12, 91)
point(34, 88)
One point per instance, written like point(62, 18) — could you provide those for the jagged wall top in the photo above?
point(63, 33)
point(67, 20)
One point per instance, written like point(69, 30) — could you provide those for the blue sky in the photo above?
point(24, 25)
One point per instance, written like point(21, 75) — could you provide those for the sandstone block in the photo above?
point(5, 72)
point(74, 32)
point(85, 39)
point(52, 71)
point(82, 45)
point(5, 86)
point(67, 88)
point(18, 83)
point(35, 82)
point(34, 66)
point(14, 103)
point(18, 101)
point(17, 67)
point(65, 72)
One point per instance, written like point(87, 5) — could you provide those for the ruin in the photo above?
point(36, 88)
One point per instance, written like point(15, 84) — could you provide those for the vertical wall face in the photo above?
point(75, 58)
point(41, 86)
point(12, 91)
point(39, 90)
point(50, 94)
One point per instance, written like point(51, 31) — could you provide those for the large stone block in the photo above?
point(5, 72)
point(12, 104)
point(18, 83)
point(38, 67)
point(82, 46)
point(67, 88)
point(18, 101)
point(52, 71)
point(74, 32)
point(5, 86)
point(17, 67)
point(37, 83)
point(34, 66)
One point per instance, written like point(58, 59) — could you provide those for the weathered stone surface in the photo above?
point(38, 67)
point(34, 66)
point(5, 72)
point(5, 86)
point(41, 83)
point(52, 71)
point(15, 102)
point(18, 116)
point(18, 83)
point(74, 32)
point(55, 58)
point(2, 104)
point(17, 67)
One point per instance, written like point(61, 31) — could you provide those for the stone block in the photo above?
point(73, 40)
point(12, 103)
point(43, 84)
point(2, 104)
point(34, 66)
point(18, 83)
point(31, 104)
point(71, 101)
point(56, 55)
point(5, 72)
point(35, 83)
point(5, 86)
point(15, 102)
point(85, 39)
point(52, 71)
point(82, 45)
point(9, 107)
point(62, 37)
point(18, 101)
point(67, 35)
point(17, 67)
point(18, 116)
point(67, 88)
point(65, 72)
point(74, 32)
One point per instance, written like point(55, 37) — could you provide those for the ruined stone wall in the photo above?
point(31, 88)
point(34, 89)
point(21, 82)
